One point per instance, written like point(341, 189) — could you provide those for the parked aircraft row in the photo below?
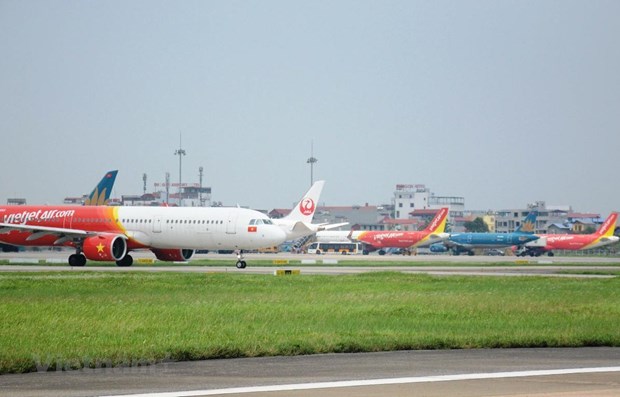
point(525, 241)
point(102, 233)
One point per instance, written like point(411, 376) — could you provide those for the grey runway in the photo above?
point(221, 375)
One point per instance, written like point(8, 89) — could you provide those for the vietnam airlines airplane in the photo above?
point(466, 242)
point(375, 240)
point(603, 236)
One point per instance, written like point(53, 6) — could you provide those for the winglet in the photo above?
point(304, 210)
point(101, 194)
point(529, 223)
point(438, 224)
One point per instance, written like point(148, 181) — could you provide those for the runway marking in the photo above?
point(375, 382)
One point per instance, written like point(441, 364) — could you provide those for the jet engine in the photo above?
point(105, 247)
point(173, 255)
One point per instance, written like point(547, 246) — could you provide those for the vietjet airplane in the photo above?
point(101, 233)
point(375, 240)
point(603, 236)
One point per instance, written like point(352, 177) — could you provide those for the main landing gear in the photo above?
point(240, 262)
point(77, 260)
point(125, 262)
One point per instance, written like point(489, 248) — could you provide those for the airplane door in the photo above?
point(231, 222)
point(157, 224)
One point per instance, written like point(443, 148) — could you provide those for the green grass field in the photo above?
point(71, 320)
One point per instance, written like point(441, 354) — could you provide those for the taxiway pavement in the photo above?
point(464, 373)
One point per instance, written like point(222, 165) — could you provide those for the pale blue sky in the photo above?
point(502, 102)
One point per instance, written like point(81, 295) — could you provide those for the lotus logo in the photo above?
point(307, 206)
point(528, 226)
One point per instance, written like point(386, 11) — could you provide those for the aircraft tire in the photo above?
point(77, 260)
point(241, 264)
point(550, 253)
point(125, 262)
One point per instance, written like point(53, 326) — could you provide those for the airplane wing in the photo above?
point(451, 244)
point(439, 236)
point(41, 231)
point(7, 227)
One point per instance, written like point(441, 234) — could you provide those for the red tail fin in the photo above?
point(609, 226)
point(438, 224)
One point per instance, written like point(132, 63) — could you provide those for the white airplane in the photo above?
point(102, 233)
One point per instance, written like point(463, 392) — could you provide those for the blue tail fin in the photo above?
point(101, 194)
point(529, 223)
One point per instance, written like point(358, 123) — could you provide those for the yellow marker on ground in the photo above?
point(287, 272)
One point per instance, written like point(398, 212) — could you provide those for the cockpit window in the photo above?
point(261, 222)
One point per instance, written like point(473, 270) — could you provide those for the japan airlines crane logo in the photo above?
point(307, 206)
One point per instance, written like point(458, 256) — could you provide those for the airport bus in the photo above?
point(336, 247)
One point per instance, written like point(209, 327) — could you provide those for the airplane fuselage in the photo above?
point(576, 241)
point(398, 239)
point(433, 233)
point(603, 236)
point(146, 227)
point(489, 240)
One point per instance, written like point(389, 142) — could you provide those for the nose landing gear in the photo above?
point(241, 264)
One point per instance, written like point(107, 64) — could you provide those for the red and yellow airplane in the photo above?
point(603, 236)
point(101, 233)
point(375, 240)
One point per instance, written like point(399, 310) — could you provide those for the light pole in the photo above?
point(312, 160)
point(200, 174)
point(180, 152)
point(167, 188)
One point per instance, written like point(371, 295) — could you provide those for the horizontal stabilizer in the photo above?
point(309, 228)
point(540, 242)
point(326, 226)
point(302, 227)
